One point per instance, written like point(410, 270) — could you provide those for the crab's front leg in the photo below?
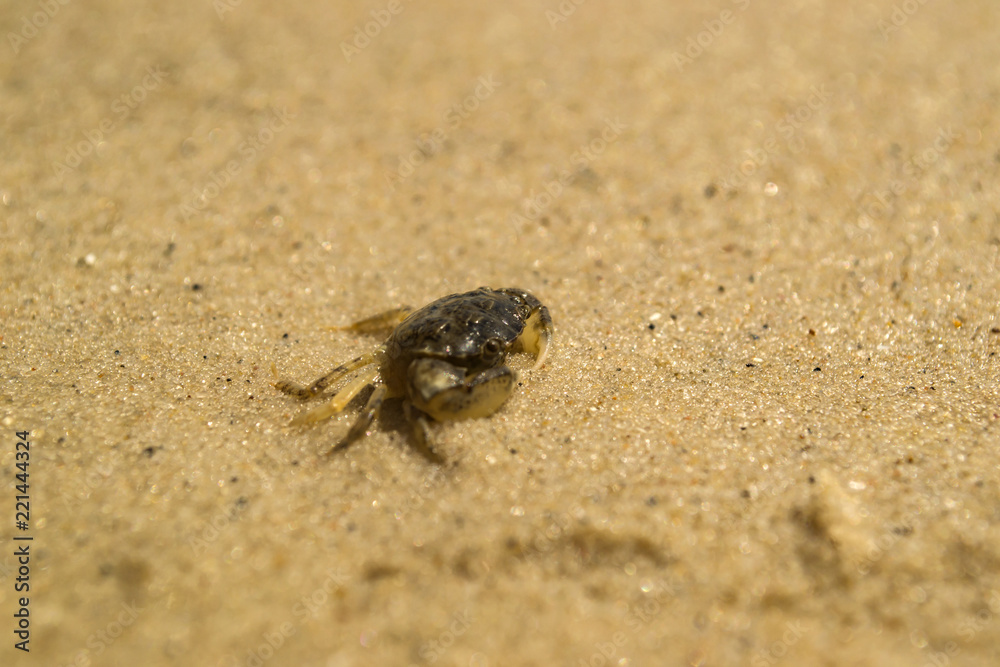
point(316, 388)
point(446, 392)
point(376, 323)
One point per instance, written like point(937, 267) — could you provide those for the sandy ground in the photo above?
point(768, 432)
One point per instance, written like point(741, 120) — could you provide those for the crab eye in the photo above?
point(491, 348)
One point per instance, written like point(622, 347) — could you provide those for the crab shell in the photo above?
point(471, 332)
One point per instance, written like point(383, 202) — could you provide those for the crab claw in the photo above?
point(538, 329)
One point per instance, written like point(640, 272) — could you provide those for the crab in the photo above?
point(447, 361)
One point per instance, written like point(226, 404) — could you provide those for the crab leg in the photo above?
point(304, 393)
point(365, 419)
point(376, 323)
point(339, 401)
point(421, 432)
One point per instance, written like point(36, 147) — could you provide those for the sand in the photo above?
point(768, 431)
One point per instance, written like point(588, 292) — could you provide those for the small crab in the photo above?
point(446, 360)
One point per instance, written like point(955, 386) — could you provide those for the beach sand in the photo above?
point(768, 429)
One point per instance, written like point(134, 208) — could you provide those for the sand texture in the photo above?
point(768, 430)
